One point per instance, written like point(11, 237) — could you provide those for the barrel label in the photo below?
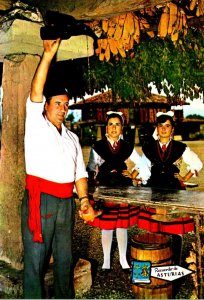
point(141, 271)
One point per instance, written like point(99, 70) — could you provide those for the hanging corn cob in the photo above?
point(111, 28)
point(198, 11)
point(122, 52)
point(113, 46)
point(175, 30)
point(185, 25)
point(173, 10)
point(107, 53)
point(164, 23)
point(104, 43)
point(173, 22)
point(105, 25)
point(129, 23)
point(136, 35)
point(118, 32)
point(126, 33)
point(193, 4)
point(200, 8)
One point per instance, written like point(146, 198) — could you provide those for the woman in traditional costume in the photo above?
point(163, 156)
point(107, 167)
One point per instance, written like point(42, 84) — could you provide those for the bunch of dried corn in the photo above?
point(121, 32)
point(173, 21)
point(198, 5)
point(118, 34)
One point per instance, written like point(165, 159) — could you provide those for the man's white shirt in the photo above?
point(48, 154)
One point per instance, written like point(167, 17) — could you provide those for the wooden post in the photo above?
point(18, 71)
point(137, 141)
point(99, 134)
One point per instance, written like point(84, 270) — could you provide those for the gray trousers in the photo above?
point(57, 219)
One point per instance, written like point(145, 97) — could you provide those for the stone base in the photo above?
point(11, 280)
point(23, 37)
point(82, 277)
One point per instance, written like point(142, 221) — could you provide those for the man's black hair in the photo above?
point(54, 91)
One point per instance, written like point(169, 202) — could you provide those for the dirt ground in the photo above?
point(116, 284)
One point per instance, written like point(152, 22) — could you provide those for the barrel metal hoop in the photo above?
point(145, 246)
point(168, 259)
point(152, 287)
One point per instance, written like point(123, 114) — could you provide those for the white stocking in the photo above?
point(122, 238)
point(106, 238)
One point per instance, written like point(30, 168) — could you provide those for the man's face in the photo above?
point(164, 129)
point(114, 128)
point(57, 109)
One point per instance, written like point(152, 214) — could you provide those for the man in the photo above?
point(54, 165)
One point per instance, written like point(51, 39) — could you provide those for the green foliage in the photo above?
point(173, 68)
point(195, 117)
point(70, 117)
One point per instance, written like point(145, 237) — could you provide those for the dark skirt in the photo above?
point(125, 215)
point(116, 216)
point(180, 225)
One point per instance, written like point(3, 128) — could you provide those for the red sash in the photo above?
point(36, 186)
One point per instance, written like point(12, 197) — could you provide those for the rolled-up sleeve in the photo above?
point(194, 164)
point(95, 160)
point(143, 166)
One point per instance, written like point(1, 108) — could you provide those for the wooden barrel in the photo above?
point(155, 248)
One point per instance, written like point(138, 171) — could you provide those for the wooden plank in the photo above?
point(174, 200)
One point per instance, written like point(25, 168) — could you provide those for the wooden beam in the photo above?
point(87, 9)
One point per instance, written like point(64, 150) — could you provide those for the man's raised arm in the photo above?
point(39, 79)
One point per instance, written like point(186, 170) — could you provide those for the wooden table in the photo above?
point(174, 201)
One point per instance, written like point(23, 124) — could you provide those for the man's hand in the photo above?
point(87, 213)
point(132, 175)
point(51, 46)
point(183, 178)
point(126, 173)
point(178, 176)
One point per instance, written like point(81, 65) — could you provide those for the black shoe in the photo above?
point(105, 271)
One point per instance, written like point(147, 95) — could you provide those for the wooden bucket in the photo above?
point(155, 248)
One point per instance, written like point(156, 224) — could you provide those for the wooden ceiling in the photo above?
point(93, 10)
point(88, 12)
point(86, 9)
